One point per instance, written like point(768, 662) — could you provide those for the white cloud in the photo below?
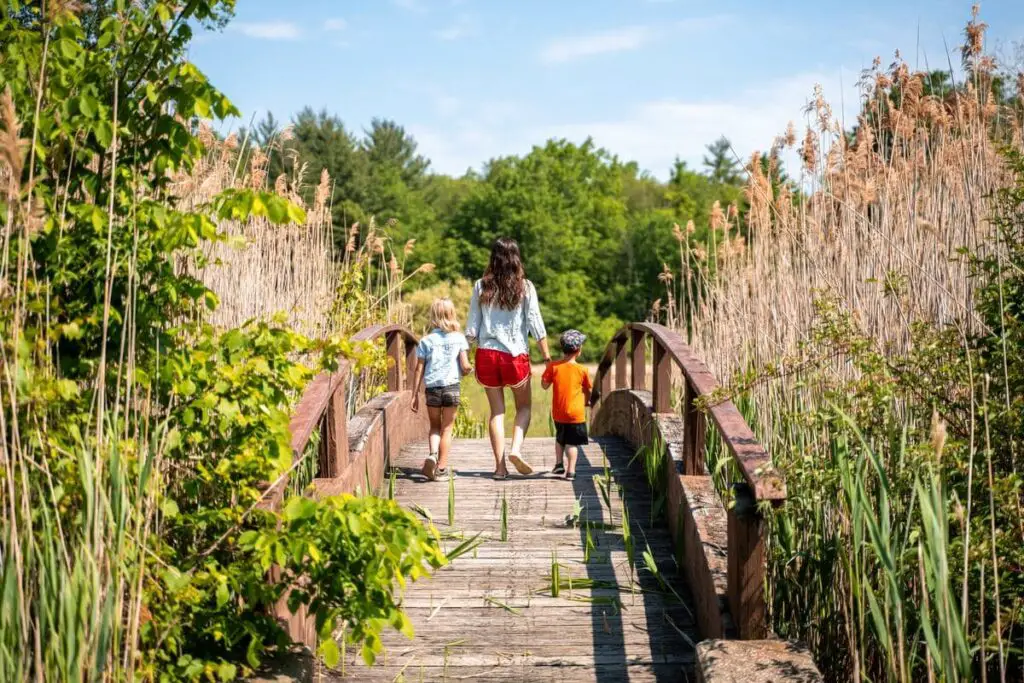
point(269, 30)
point(463, 27)
point(335, 24)
point(653, 133)
point(624, 39)
point(577, 47)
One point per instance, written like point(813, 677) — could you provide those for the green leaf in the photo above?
point(169, 508)
point(296, 214)
point(104, 133)
point(223, 594)
point(227, 671)
point(299, 508)
point(329, 651)
point(88, 105)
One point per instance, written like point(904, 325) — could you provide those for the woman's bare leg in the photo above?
point(447, 427)
point(524, 404)
point(523, 395)
point(496, 427)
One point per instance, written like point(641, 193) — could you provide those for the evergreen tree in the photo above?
point(721, 163)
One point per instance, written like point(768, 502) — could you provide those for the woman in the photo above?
point(503, 313)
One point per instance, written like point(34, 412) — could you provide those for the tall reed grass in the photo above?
point(810, 304)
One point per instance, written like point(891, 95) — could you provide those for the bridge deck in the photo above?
point(491, 616)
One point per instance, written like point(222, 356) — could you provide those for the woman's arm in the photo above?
point(473, 319)
point(535, 321)
point(543, 344)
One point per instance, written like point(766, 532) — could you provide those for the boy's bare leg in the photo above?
point(571, 453)
point(447, 427)
point(496, 427)
point(559, 450)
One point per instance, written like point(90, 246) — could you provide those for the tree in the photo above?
point(721, 163)
point(388, 146)
point(564, 204)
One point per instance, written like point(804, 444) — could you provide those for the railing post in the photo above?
point(337, 431)
point(411, 361)
point(393, 341)
point(621, 359)
point(606, 383)
point(746, 566)
point(662, 388)
point(694, 426)
point(638, 361)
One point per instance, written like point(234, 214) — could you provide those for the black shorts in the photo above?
point(567, 434)
point(443, 397)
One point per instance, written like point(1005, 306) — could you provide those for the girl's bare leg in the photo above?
point(435, 428)
point(496, 427)
point(434, 440)
point(447, 427)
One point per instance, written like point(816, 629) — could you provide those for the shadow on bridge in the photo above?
point(608, 482)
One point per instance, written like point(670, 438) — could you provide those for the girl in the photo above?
point(503, 314)
point(442, 354)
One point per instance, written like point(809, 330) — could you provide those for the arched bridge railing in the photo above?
point(623, 368)
point(352, 453)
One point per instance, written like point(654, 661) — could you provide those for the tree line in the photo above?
point(595, 230)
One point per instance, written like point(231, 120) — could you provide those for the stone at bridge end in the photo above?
point(754, 661)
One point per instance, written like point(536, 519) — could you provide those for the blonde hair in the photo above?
point(442, 315)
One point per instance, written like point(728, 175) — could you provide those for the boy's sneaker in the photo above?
point(559, 468)
point(570, 476)
point(430, 467)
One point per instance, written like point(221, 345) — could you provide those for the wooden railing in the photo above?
point(624, 367)
point(323, 408)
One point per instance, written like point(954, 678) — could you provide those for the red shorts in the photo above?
point(496, 369)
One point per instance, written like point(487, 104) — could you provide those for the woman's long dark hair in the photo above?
point(504, 281)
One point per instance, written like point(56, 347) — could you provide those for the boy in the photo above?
point(569, 402)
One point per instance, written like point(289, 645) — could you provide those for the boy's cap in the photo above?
point(573, 340)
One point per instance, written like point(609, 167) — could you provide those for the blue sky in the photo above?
point(648, 79)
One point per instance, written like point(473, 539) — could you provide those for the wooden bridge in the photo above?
point(637, 570)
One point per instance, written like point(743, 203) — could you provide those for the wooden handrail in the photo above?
point(400, 342)
point(765, 482)
point(323, 408)
point(761, 481)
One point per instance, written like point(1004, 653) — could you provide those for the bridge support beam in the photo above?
point(746, 566)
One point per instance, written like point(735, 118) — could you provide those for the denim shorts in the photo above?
point(443, 397)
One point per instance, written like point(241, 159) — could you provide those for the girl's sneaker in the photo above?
point(443, 473)
point(559, 468)
point(430, 467)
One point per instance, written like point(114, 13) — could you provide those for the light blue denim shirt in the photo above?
point(439, 352)
point(503, 330)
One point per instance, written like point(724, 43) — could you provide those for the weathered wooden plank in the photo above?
point(462, 626)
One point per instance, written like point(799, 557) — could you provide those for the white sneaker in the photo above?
point(430, 467)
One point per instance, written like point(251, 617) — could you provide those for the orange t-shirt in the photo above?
point(571, 387)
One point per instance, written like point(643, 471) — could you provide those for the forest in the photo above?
point(595, 230)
